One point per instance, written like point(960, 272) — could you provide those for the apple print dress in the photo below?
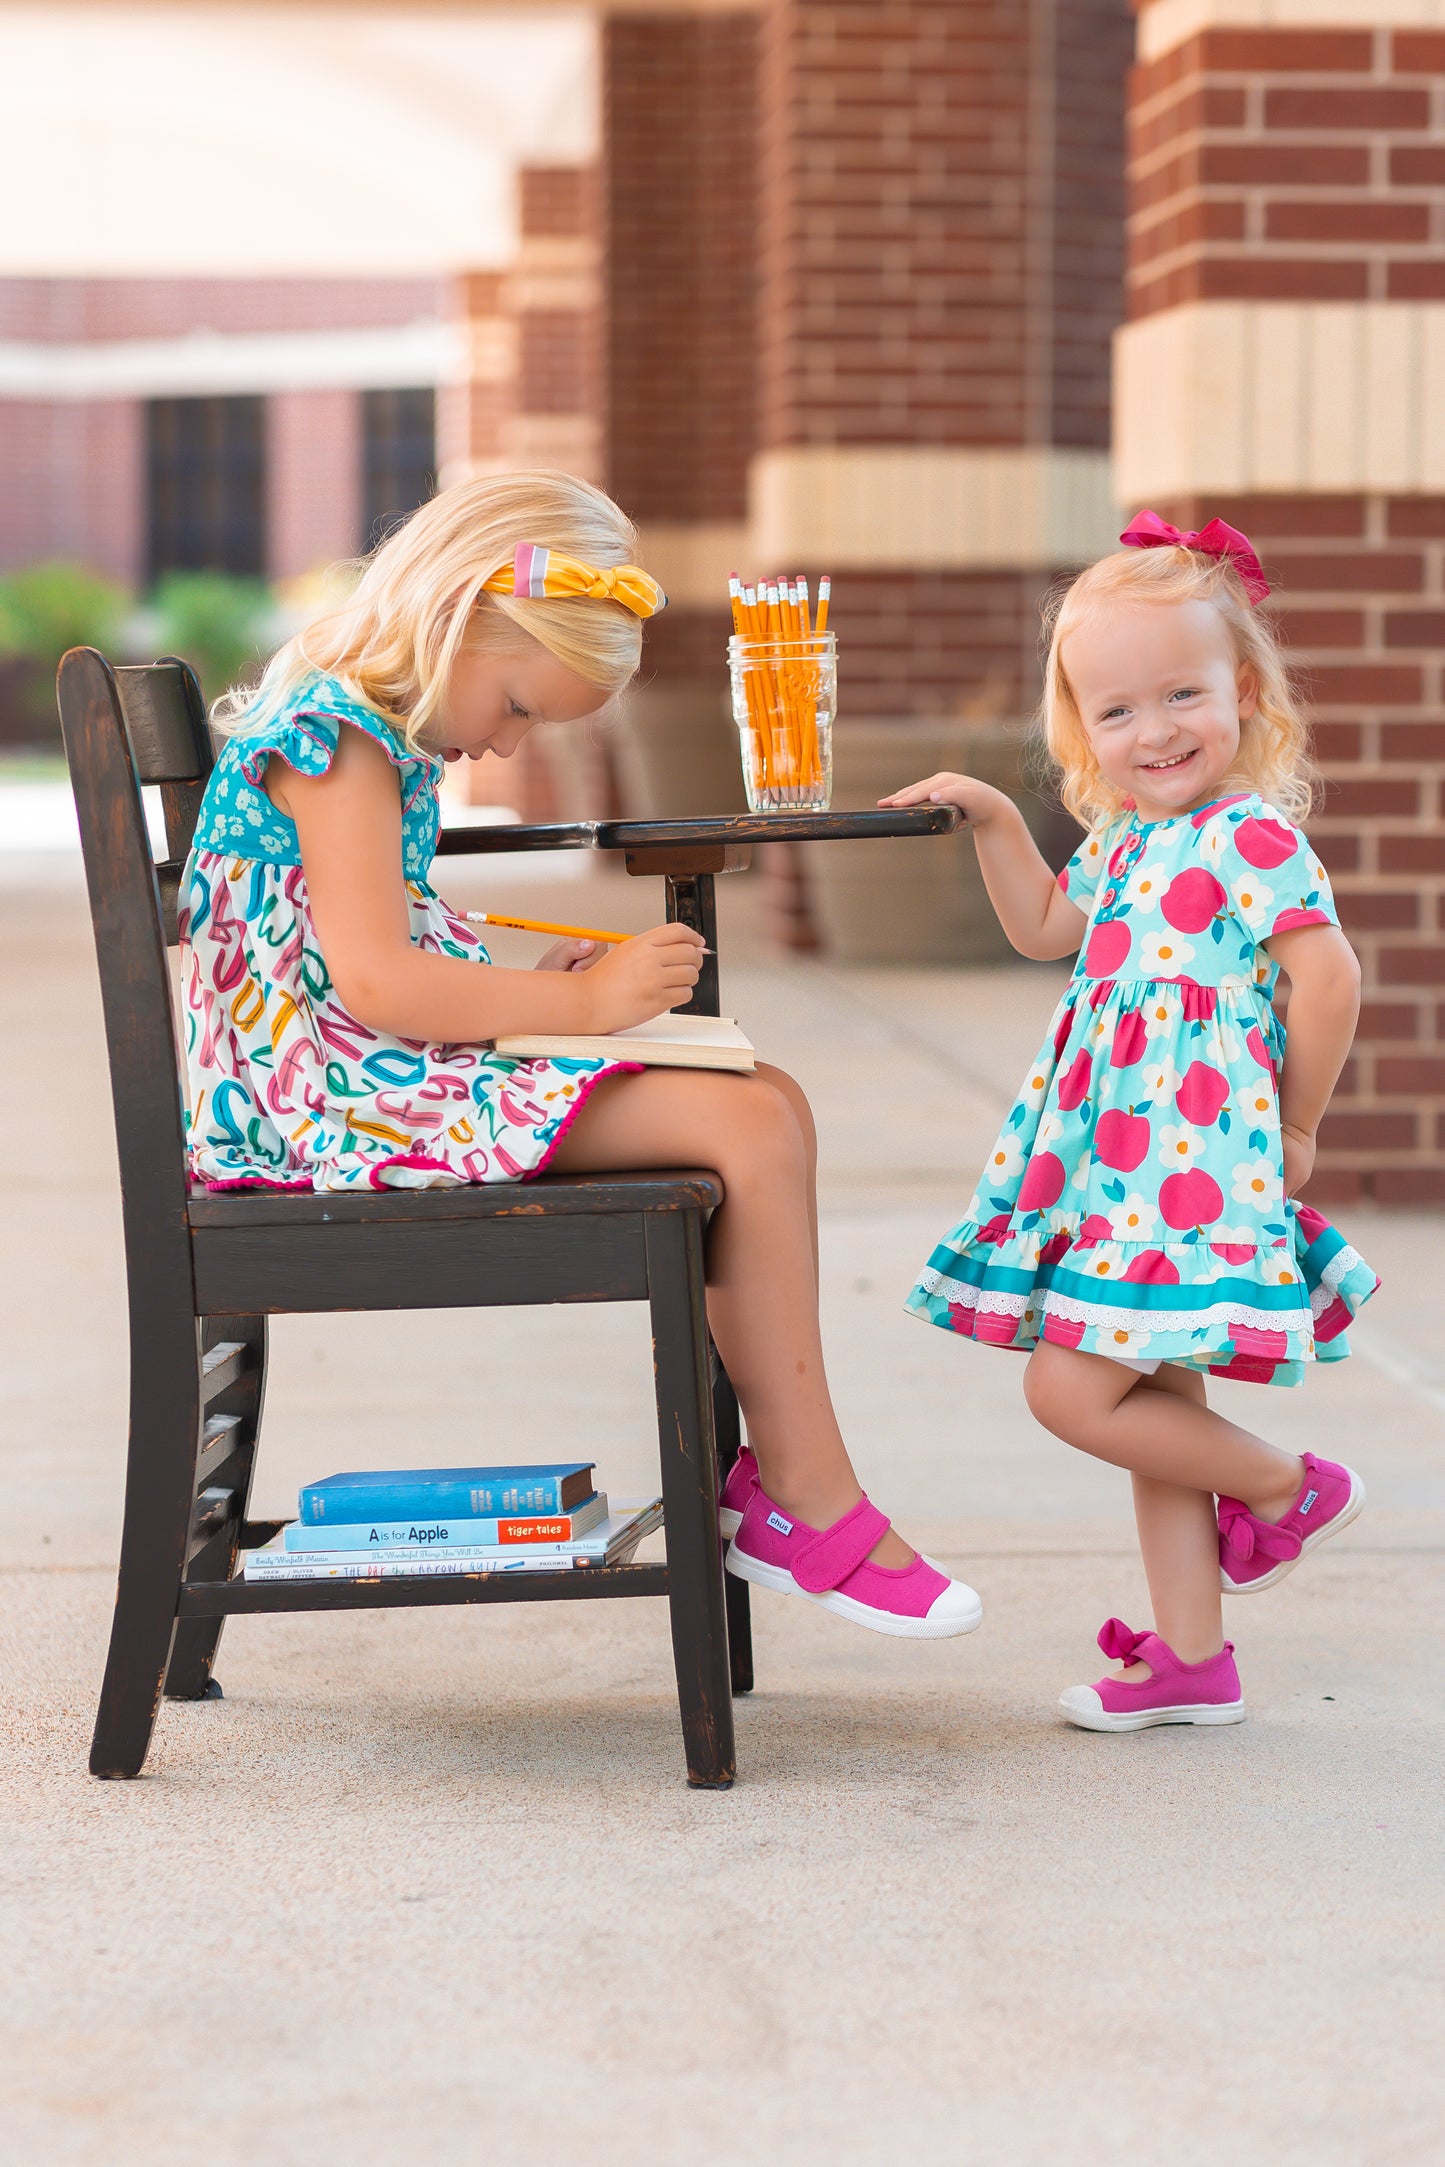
point(286, 1089)
point(1134, 1204)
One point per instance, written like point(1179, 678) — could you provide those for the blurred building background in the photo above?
point(925, 293)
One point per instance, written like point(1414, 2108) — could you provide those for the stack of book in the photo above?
point(454, 1520)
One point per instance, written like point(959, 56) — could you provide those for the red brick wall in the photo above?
point(1304, 165)
point(940, 231)
point(73, 484)
point(1288, 165)
point(1360, 588)
point(164, 308)
point(313, 480)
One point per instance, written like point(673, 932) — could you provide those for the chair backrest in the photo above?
point(124, 728)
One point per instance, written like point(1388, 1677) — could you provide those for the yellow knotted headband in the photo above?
point(536, 574)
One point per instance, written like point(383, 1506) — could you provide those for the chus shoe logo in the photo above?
point(784, 1527)
point(1305, 1503)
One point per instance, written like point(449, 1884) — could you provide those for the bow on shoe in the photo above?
point(1119, 1641)
point(1218, 539)
point(1244, 1533)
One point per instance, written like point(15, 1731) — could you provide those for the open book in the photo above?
point(667, 1041)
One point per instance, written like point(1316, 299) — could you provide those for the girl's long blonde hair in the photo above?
point(420, 599)
point(1274, 755)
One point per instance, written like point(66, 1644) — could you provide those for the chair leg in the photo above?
point(689, 1490)
point(728, 1427)
point(165, 1407)
point(193, 1651)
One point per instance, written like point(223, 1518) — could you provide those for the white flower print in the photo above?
point(1133, 1220)
point(1105, 1262)
point(1048, 1132)
point(1164, 954)
point(1158, 1079)
point(1143, 888)
point(1256, 1183)
point(1253, 900)
point(1254, 1103)
point(1160, 1017)
point(1123, 1344)
point(1079, 1179)
point(1214, 842)
point(1035, 1087)
point(1179, 1146)
point(1005, 1160)
point(1234, 1237)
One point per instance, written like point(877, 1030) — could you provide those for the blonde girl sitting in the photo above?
point(339, 1015)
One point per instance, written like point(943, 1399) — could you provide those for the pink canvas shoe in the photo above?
point(742, 1480)
point(914, 1601)
point(1254, 1554)
point(1174, 1692)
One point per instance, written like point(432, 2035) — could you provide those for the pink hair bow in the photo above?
point(1119, 1640)
point(1218, 539)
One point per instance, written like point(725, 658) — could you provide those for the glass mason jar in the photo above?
point(785, 695)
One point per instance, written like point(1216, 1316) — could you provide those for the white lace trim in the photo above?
point(1339, 1269)
point(996, 1303)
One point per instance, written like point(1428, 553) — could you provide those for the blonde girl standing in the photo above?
point(1136, 1225)
point(339, 1016)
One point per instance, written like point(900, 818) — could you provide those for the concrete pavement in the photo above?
point(433, 1880)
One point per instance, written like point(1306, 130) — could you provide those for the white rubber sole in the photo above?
point(729, 1521)
point(778, 1578)
point(1082, 1705)
point(1352, 1510)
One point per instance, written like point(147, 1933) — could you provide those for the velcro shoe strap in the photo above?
point(829, 1558)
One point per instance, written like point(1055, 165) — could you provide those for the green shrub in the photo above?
point(219, 623)
point(44, 610)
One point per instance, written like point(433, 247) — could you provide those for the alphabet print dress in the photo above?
point(286, 1088)
point(1134, 1204)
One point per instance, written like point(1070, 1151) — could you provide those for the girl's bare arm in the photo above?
point(1032, 908)
point(349, 825)
point(1324, 1006)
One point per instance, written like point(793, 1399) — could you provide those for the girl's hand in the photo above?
point(1299, 1158)
point(571, 955)
point(642, 978)
point(978, 802)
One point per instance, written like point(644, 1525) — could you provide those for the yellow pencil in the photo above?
point(540, 925)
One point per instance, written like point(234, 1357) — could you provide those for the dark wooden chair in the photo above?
point(205, 1271)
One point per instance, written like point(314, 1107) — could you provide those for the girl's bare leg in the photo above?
point(762, 1258)
point(1180, 1454)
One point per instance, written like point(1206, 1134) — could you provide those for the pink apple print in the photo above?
point(1201, 1093)
point(1074, 1083)
point(1311, 1223)
point(1190, 1199)
point(1232, 1252)
point(1108, 947)
point(1129, 1040)
point(1264, 843)
point(1094, 1230)
point(995, 1231)
point(1121, 1140)
point(1192, 900)
point(1055, 1247)
point(1153, 1269)
point(1061, 1033)
point(1289, 921)
point(1043, 1182)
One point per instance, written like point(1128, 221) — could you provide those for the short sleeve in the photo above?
point(1270, 873)
point(1080, 878)
point(305, 733)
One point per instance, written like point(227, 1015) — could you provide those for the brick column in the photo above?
point(313, 480)
point(940, 275)
point(1284, 366)
point(528, 391)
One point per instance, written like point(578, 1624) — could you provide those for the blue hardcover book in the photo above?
point(442, 1535)
point(436, 1493)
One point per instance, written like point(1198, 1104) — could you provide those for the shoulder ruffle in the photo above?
point(306, 730)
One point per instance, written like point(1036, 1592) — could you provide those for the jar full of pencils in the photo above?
point(785, 695)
